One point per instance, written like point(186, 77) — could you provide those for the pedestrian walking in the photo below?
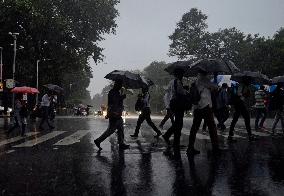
point(114, 113)
point(16, 114)
point(176, 91)
point(169, 114)
point(45, 107)
point(240, 100)
point(203, 110)
point(260, 96)
point(278, 102)
point(145, 113)
point(24, 113)
point(222, 108)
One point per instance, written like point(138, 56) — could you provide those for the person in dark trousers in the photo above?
point(16, 114)
point(279, 106)
point(169, 114)
point(260, 107)
point(45, 107)
point(24, 113)
point(241, 106)
point(176, 90)
point(115, 109)
point(145, 114)
point(203, 110)
point(222, 110)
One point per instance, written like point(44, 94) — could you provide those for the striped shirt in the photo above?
point(259, 99)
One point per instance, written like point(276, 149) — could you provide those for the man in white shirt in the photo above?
point(203, 110)
point(176, 91)
point(45, 104)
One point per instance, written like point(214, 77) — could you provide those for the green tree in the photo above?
point(188, 39)
point(66, 31)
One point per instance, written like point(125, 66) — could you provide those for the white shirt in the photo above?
point(167, 100)
point(204, 87)
point(45, 100)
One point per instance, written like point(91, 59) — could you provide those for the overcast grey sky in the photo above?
point(144, 27)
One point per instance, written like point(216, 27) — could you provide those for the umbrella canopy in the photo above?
point(221, 79)
point(129, 79)
point(25, 89)
point(54, 87)
point(183, 65)
point(278, 79)
point(212, 66)
point(254, 77)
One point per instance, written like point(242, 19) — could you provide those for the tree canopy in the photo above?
point(67, 32)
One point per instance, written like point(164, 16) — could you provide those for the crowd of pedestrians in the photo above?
point(207, 100)
point(45, 110)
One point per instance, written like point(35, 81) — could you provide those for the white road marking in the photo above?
point(72, 139)
point(235, 135)
point(10, 151)
point(39, 140)
point(15, 139)
point(261, 134)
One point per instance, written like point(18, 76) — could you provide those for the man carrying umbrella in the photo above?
point(45, 106)
point(115, 109)
point(203, 110)
point(241, 104)
point(176, 91)
point(145, 114)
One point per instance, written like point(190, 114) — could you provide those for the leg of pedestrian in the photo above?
point(233, 124)
point(209, 119)
point(110, 130)
point(140, 120)
point(264, 114)
point(120, 135)
point(197, 118)
point(275, 122)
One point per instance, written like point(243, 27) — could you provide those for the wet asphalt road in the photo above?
point(66, 162)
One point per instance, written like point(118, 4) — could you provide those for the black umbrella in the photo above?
point(183, 65)
point(212, 66)
point(278, 79)
point(252, 76)
point(54, 87)
point(129, 79)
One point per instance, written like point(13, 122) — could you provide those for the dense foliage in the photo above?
point(65, 31)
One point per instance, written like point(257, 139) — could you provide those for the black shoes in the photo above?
point(98, 145)
point(123, 146)
point(192, 152)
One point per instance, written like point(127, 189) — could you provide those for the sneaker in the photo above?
point(98, 145)
point(134, 135)
point(192, 152)
point(166, 140)
point(123, 146)
point(161, 127)
point(231, 139)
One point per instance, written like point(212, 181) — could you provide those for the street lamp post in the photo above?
point(37, 70)
point(14, 35)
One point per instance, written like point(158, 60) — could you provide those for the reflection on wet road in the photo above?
point(66, 162)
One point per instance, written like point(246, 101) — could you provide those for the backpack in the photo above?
point(139, 104)
point(194, 94)
point(180, 102)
